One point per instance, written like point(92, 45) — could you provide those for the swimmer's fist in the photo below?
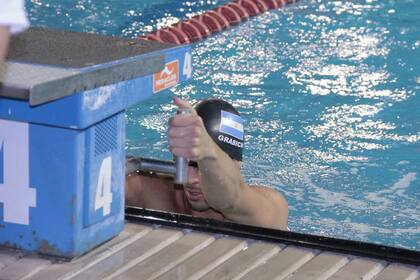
point(187, 135)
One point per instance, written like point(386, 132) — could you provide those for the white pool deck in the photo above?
point(148, 251)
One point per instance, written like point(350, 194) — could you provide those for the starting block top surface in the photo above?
point(45, 64)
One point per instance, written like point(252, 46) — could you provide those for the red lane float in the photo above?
point(181, 35)
point(243, 13)
point(224, 22)
point(168, 36)
point(250, 7)
point(261, 5)
point(231, 15)
point(272, 4)
point(210, 21)
point(204, 30)
point(152, 37)
point(192, 32)
point(203, 25)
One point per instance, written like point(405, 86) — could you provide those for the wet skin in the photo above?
point(193, 191)
point(217, 190)
point(4, 41)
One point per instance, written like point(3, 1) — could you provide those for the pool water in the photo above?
point(329, 92)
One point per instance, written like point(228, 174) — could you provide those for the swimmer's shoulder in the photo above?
point(275, 202)
point(151, 191)
point(264, 190)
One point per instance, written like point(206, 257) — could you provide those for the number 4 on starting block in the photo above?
point(15, 194)
point(103, 197)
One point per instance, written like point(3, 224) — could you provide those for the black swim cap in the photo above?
point(224, 125)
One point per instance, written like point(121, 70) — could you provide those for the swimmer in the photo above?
point(212, 138)
point(12, 20)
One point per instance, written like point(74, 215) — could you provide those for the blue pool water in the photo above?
point(328, 89)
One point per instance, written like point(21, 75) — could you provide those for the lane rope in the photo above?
point(202, 26)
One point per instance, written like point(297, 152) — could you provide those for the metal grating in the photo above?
point(106, 136)
point(148, 251)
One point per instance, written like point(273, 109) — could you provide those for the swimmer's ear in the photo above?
point(184, 104)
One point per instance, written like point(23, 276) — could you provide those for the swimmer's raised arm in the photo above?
point(222, 183)
point(12, 20)
point(4, 41)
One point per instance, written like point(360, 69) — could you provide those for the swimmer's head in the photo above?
point(224, 125)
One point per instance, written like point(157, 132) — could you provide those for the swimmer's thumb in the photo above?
point(184, 104)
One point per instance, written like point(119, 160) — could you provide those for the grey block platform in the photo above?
point(44, 65)
point(150, 251)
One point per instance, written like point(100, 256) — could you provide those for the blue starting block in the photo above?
point(62, 131)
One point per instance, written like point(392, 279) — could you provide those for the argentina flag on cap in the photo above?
point(232, 125)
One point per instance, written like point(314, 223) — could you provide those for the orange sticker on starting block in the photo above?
point(166, 78)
